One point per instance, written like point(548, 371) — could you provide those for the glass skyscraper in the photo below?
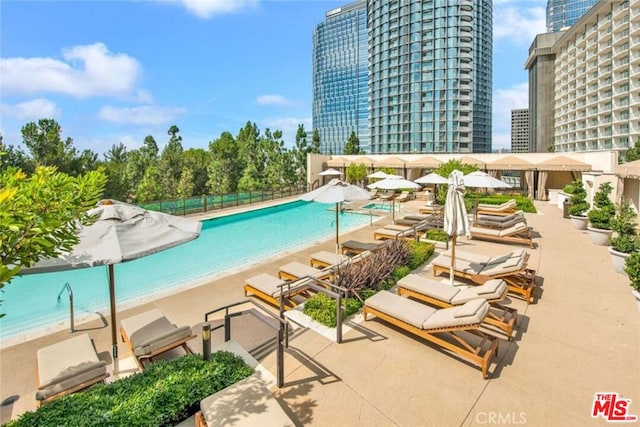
point(340, 80)
point(428, 67)
point(562, 14)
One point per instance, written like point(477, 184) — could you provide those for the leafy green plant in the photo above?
point(419, 253)
point(523, 203)
point(569, 189)
point(632, 268)
point(437, 235)
point(579, 204)
point(400, 272)
point(603, 208)
point(624, 224)
point(164, 394)
point(323, 309)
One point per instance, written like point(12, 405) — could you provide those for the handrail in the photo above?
point(283, 333)
point(67, 286)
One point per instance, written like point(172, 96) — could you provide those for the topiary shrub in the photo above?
point(603, 208)
point(579, 204)
point(624, 225)
point(164, 394)
point(632, 268)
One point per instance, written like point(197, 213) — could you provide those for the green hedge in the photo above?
point(522, 203)
point(164, 394)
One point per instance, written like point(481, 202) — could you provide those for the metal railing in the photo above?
point(67, 286)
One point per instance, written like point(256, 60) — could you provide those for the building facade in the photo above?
point(562, 14)
point(340, 80)
point(597, 80)
point(428, 70)
point(520, 130)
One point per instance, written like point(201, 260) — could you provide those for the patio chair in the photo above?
point(519, 232)
point(494, 221)
point(444, 295)
point(325, 259)
point(427, 322)
point(404, 196)
point(395, 232)
point(387, 195)
point(270, 288)
point(68, 366)
point(296, 270)
point(356, 247)
point(511, 267)
point(260, 407)
point(506, 208)
point(151, 334)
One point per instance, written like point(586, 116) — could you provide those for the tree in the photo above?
point(39, 214)
point(356, 172)
point(300, 152)
point(252, 153)
point(11, 156)
point(315, 142)
point(185, 184)
point(170, 166)
point(633, 153)
point(115, 165)
point(150, 188)
point(46, 146)
point(445, 170)
point(138, 162)
point(353, 145)
point(197, 160)
point(225, 168)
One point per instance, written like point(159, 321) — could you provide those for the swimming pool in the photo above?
point(225, 245)
point(381, 207)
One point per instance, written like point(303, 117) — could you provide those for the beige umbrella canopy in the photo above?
point(337, 162)
point(426, 162)
point(467, 160)
point(628, 170)
point(563, 163)
point(390, 162)
point(510, 163)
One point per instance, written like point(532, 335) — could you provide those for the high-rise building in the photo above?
point(340, 81)
point(428, 70)
point(520, 130)
point(561, 14)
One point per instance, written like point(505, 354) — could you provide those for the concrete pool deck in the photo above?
point(580, 337)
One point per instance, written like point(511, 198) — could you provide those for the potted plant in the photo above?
point(439, 238)
point(625, 240)
point(632, 268)
point(601, 215)
point(579, 205)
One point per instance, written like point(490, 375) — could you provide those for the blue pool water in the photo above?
point(381, 206)
point(225, 245)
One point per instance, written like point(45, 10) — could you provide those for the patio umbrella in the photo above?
point(394, 184)
point(381, 175)
point(121, 233)
point(456, 222)
point(336, 191)
point(479, 179)
point(432, 178)
point(330, 172)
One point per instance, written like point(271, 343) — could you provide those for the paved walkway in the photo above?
point(581, 337)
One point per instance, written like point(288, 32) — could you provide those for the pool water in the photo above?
point(381, 206)
point(225, 245)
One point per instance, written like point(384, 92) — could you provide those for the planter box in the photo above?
point(437, 243)
point(599, 237)
point(579, 222)
point(618, 259)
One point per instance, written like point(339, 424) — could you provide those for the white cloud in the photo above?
point(518, 24)
point(144, 115)
point(31, 110)
point(207, 8)
point(85, 71)
point(505, 100)
point(274, 99)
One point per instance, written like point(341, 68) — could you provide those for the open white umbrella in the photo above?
point(479, 179)
point(381, 175)
point(432, 178)
point(456, 222)
point(330, 172)
point(394, 184)
point(121, 233)
point(336, 191)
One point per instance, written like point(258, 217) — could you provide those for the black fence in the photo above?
point(208, 203)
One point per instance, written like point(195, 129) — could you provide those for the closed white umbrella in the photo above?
point(456, 222)
point(394, 184)
point(121, 233)
point(336, 191)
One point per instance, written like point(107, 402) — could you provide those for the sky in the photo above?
point(117, 71)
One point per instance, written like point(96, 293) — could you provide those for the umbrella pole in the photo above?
point(114, 334)
point(393, 207)
point(337, 233)
point(453, 257)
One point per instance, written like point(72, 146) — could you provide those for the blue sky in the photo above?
point(117, 71)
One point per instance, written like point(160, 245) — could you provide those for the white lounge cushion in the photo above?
point(404, 309)
point(329, 258)
point(151, 331)
point(298, 269)
point(429, 287)
point(266, 284)
point(492, 290)
point(470, 313)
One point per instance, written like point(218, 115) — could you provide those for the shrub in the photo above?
point(523, 203)
point(624, 225)
point(164, 394)
point(419, 253)
point(400, 272)
point(569, 188)
point(632, 268)
point(437, 235)
point(579, 203)
point(323, 309)
point(604, 209)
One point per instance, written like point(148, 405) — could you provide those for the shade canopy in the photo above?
point(336, 191)
point(456, 222)
point(511, 163)
point(432, 178)
point(330, 172)
point(394, 184)
point(120, 233)
point(479, 179)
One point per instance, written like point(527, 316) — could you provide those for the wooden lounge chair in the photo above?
point(444, 295)
point(407, 232)
point(225, 407)
point(68, 366)
point(356, 247)
point(296, 270)
point(520, 233)
point(325, 259)
point(506, 208)
point(404, 196)
point(150, 334)
point(270, 289)
point(428, 323)
point(495, 221)
point(512, 268)
point(387, 195)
